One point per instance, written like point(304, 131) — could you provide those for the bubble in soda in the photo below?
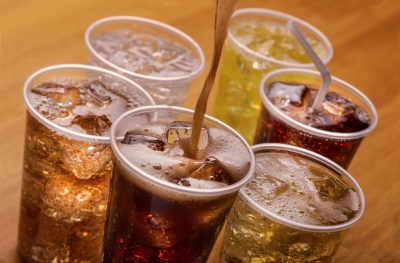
point(145, 53)
point(338, 114)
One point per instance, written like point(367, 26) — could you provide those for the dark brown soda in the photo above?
point(152, 227)
point(295, 101)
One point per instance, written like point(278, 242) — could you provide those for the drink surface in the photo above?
point(338, 114)
point(88, 107)
point(301, 190)
point(237, 100)
point(160, 149)
point(274, 40)
point(146, 53)
point(298, 190)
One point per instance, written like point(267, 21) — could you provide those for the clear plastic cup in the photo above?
point(275, 126)
point(165, 86)
point(237, 101)
point(255, 232)
point(66, 173)
point(151, 219)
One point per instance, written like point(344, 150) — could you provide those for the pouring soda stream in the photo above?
point(326, 75)
point(223, 13)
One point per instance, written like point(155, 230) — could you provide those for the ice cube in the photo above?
point(299, 250)
point(156, 130)
point(199, 183)
point(282, 94)
point(343, 115)
point(330, 189)
point(99, 93)
point(150, 141)
point(65, 96)
point(181, 131)
point(212, 170)
point(65, 198)
point(93, 124)
point(84, 160)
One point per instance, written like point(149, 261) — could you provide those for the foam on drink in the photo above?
point(301, 190)
point(145, 53)
point(338, 114)
point(160, 149)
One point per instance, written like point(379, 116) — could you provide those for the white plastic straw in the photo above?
point(326, 75)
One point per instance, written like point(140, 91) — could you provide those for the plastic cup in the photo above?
point(255, 233)
point(166, 88)
point(153, 220)
point(237, 101)
point(275, 126)
point(66, 175)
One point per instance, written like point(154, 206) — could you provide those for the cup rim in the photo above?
point(154, 23)
point(311, 130)
point(168, 185)
point(59, 128)
point(314, 157)
point(273, 13)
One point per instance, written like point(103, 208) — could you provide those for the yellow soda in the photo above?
point(255, 47)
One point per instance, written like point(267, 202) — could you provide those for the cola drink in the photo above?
point(165, 206)
point(68, 160)
point(335, 131)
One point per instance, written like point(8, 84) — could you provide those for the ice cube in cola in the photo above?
point(66, 175)
point(162, 219)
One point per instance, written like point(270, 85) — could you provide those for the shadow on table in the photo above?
point(14, 258)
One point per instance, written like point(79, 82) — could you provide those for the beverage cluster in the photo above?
point(108, 175)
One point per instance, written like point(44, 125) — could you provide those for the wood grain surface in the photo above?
point(366, 38)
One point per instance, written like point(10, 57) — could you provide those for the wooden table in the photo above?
point(366, 38)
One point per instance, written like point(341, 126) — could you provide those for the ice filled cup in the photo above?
point(67, 162)
point(296, 208)
point(258, 42)
point(161, 58)
point(165, 206)
point(335, 131)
